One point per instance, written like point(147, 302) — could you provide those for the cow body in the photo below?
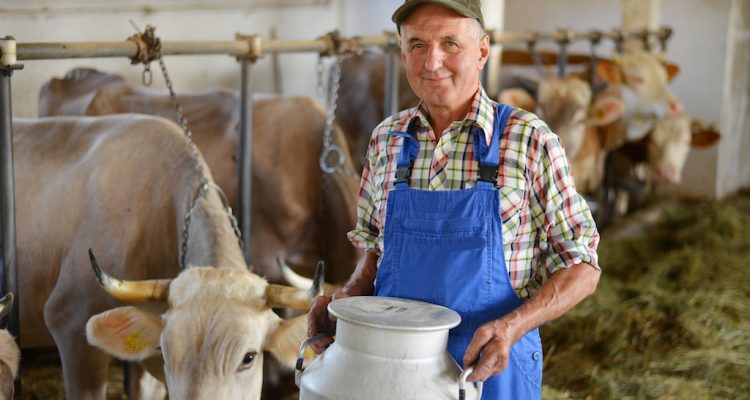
point(361, 99)
point(121, 185)
point(297, 212)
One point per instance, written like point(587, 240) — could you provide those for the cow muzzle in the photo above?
point(141, 291)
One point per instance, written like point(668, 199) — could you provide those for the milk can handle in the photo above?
point(298, 369)
point(462, 384)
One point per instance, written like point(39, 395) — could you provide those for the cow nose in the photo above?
point(667, 174)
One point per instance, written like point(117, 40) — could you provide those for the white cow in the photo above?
point(10, 355)
point(122, 185)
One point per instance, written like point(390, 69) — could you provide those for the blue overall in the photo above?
point(446, 247)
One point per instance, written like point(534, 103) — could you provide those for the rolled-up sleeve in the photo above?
point(568, 227)
point(365, 234)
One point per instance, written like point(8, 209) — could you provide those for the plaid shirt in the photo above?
point(547, 225)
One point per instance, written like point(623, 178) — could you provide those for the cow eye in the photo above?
point(247, 360)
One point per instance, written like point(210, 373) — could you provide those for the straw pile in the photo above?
point(671, 316)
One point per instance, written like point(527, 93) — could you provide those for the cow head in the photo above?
point(670, 142)
point(646, 74)
point(212, 337)
point(565, 105)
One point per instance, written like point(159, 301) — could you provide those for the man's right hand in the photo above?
point(320, 322)
point(360, 284)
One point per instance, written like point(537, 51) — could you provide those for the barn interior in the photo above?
point(669, 319)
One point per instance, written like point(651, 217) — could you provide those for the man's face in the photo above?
point(443, 55)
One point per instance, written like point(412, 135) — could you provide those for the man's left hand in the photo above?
point(489, 350)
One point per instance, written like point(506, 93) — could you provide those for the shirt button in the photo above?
point(536, 356)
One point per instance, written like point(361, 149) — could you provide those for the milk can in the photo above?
point(387, 348)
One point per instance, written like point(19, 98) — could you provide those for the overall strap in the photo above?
point(408, 153)
point(488, 156)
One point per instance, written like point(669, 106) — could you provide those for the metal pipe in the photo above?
point(127, 48)
point(8, 261)
point(246, 155)
point(238, 48)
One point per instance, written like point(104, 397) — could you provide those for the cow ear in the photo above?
point(608, 71)
point(284, 342)
point(672, 70)
point(605, 110)
point(703, 135)
point(519, 98)
point(126, 333)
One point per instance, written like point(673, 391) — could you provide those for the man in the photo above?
point(469, 204)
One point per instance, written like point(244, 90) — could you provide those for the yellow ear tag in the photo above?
point(134, 343)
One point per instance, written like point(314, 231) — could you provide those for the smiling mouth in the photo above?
point(435, 80)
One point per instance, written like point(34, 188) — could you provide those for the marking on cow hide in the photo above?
point(134, 343)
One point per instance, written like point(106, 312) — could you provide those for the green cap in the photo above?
point(467, 8)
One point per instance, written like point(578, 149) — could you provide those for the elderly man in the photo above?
point(469, 203)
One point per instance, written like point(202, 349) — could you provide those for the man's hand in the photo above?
point(563, 290)
point(359, 284)
point(489, 350)
point(319, 321)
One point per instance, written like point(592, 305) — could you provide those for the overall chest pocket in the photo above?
point(512, 202)
point(445, 262)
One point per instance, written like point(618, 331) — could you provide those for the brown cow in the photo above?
point(297, 213)
point(123, 185)
point(564, 104)
point(360, 105)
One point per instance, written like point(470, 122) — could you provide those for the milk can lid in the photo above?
point(394, 313)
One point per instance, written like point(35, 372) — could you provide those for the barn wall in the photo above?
point(698, 46)
point(100, 20)
point(734, 166)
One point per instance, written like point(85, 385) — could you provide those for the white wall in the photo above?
point(186, 20)
point(698, 46)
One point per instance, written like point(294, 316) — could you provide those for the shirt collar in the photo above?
point(481, 115)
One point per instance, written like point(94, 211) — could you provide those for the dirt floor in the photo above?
point(669, 320)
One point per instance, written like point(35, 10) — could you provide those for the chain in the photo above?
point(204, 182)
point(332, 157)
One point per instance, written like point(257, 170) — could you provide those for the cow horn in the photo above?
point(298, 299)
point(301, 282)
point(291, 277)
point(6, 304)
point(148, 290)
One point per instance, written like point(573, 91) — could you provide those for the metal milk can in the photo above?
point(387, 348)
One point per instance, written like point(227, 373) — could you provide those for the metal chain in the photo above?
point(204, 182)
point(332, 157)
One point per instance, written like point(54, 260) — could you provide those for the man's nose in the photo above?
point(434, 59)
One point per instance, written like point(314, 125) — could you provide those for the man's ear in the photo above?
point(127, 333)
point(284, 342)
point(484, 51)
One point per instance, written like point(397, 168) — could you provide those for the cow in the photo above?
point(125, 186)
point(565, 104)
point(10, 354)
point(297, 212)
point(212, 336)
point(361, 99)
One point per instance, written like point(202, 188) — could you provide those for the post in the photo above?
point(639, 15)
point(246, 155)
point(391, 98)
point(494, 15)
point(7, 198)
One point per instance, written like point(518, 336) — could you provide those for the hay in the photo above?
point(671, 316)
